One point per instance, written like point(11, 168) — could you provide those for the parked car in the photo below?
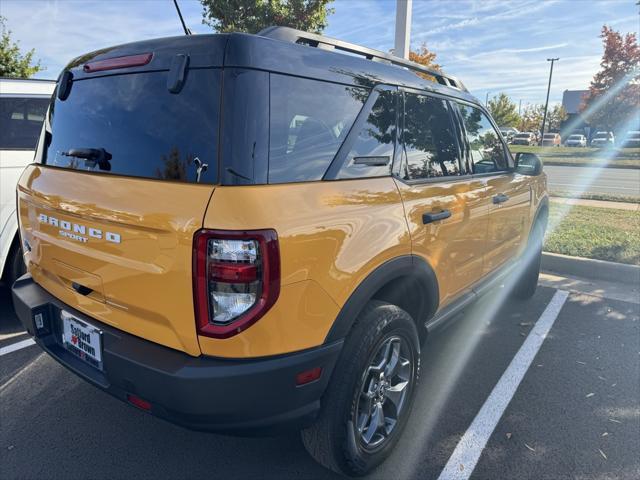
point(551, 140)
point(244, 232)
point(603, 139)
point(509, 133)
point(576, 140)
point(22, 107)
point(525, 138)
point(632, 139)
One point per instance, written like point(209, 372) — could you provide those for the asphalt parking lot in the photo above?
point(575, 413)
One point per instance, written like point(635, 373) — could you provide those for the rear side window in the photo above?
point(309, 120)
point(429, 139)
point(371, 154)
point(20, 122)
point(139, 126)
point(486, 150)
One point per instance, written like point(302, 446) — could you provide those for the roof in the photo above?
point(281, 54)
point(572, 99)
point(26, 86)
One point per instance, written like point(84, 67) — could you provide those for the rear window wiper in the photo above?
point(91, 156)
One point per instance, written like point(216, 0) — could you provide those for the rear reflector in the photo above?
point(308, 376)
point(118, 62)
point(138, 402)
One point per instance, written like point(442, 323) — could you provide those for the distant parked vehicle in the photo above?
point(603, 139)
point(551, 140)
point(508, 135)
point(632, 139)
point(525, 138)
point(23, 104)
point(576, 141)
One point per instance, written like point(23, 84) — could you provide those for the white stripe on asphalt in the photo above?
point(17, 346)
point(467, 453)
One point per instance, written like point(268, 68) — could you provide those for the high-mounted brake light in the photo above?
point(236, 279)
point(118, 62)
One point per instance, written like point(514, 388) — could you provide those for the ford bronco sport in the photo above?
point(251, 232)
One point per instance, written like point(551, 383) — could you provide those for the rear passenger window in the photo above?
point(372, 152)
point(309, 120)
point(487, 152)
point(429, 139)
point(20, 122)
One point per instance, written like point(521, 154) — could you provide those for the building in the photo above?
point(572, 101)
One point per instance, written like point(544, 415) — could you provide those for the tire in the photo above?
point(527, 280)
point(15, 267)
point(355, 399)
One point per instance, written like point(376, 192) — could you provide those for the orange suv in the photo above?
point(255, 232)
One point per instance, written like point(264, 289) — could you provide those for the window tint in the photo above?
point(146, 130)
point(20, 122)
point(309, 120)
point(486, 150)
point(372, 152)
point(429, 139)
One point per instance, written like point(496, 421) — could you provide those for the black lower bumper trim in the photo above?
point(202, 393)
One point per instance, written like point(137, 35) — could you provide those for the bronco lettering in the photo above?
point(68, 227)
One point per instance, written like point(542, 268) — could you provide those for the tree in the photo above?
point(504, 111)
point(425, 57)
point(14, 63)
point(531, 120)
point(614, 93)
point(555, 117)
point(251, 16)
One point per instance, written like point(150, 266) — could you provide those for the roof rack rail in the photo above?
point(292, 35)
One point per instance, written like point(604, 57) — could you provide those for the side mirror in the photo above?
point(528, 164)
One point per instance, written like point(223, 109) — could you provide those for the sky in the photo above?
point(492, 46)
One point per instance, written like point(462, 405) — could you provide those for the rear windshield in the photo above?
point(549, 135)
point(20, 121)
point(132, 125)
point(523, 135)
point(575, 137)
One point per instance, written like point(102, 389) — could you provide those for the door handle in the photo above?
point(434, 217)
point(500, 198)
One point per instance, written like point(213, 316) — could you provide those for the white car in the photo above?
point(23, 104)
point(602, 139)
point(576, 140)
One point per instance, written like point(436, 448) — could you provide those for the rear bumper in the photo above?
point(201, 393)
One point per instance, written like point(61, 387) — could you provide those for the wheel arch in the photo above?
point(408, 282)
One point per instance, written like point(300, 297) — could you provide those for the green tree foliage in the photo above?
point(614, 93)
point(251, 16)
point(555, 117)
point(504, 111)
point(14, 63)
point(531, 120)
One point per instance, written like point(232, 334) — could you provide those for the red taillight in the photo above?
point(236, 279)
point(118, 62)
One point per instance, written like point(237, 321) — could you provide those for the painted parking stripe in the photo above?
point(467, 453)
point(16, 346)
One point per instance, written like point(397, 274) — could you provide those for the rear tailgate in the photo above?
point(108, 216)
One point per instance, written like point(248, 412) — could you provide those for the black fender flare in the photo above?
point(410, 266)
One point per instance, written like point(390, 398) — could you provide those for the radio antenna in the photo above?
point(184, 26)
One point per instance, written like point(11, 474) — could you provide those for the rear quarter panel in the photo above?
point(331, 234)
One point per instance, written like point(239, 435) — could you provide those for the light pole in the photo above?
point(546, 103)
point(403, 28)
point(486, 99)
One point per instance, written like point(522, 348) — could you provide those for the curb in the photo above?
point(552, 163)
point(589, 268)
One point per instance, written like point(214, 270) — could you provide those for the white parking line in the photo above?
point(16, 346)
point(466, 455)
